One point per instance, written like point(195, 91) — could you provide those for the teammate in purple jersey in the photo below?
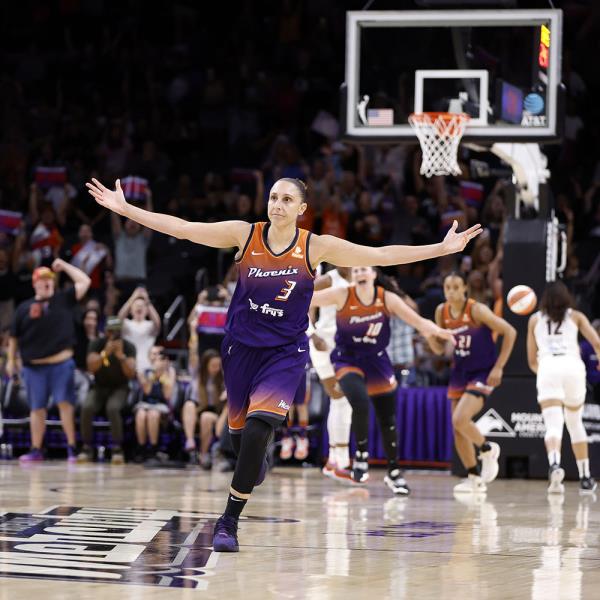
point(265, 351)
point(363, 367)
point(477, 369)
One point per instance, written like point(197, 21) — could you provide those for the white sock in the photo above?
point(554, 457)
point(332, 454)
point(342, 456)
point(583, 466)
point(339, 422)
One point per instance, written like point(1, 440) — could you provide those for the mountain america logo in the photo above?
point(157, 547)
point(493, 425)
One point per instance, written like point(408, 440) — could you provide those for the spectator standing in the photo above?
point(143, 326)
point(210, 315)
point(43, 329)
point(131, 243)
point(91, 256)
point(111, 360)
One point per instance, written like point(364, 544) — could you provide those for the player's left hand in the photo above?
point(495, 377)
point(456, 242)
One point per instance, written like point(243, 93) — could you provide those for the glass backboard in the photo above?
point(501, 67)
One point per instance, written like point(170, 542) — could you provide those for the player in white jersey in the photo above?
point(322, 343)
point(553, 354)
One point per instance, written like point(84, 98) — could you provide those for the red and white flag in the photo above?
point(135, 188)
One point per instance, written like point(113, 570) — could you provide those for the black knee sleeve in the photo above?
point(355, 389)
point(253, 443)
point(385, 410)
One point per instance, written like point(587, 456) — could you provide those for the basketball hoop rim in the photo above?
point(423, 117)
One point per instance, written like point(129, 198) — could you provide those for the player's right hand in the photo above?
point(114, 201)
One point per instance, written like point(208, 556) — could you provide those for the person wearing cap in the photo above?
point(43, 330)
point(111, 360)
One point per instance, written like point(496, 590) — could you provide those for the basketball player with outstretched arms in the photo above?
point(266, 348)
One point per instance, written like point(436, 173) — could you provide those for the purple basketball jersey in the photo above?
point(363, 329)
point(475, 349)
point(270, 304)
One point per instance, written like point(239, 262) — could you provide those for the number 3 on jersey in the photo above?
point(285, 292)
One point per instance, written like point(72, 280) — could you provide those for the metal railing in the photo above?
point(175, 329)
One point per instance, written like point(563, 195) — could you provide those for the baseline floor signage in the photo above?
point(160, 547)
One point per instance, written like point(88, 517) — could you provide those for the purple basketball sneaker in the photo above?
point(34, 455)
point(225, 535)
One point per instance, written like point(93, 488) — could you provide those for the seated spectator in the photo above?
point(86, 331)
point(138, 330)
point(111, 360)
point(212, 403)
point(43, 329)
point(158, 383)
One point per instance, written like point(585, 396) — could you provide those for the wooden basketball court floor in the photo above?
point(103, 532)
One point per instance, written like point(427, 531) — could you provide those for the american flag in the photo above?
point(383, 117)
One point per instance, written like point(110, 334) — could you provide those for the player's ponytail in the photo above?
point(556, 300)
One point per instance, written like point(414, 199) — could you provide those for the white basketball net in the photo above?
point(439, 135)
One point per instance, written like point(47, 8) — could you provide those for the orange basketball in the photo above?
point(521, 299)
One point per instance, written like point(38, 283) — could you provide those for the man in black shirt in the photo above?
point(43, 329)
point(111, 360)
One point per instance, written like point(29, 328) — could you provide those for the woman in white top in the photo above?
point(142, 328)
point(553, 354)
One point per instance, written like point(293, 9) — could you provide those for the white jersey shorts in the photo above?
point(561, 378)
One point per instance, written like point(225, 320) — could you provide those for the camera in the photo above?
point(113, 334)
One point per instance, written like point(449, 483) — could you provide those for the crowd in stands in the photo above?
point(198, 120)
